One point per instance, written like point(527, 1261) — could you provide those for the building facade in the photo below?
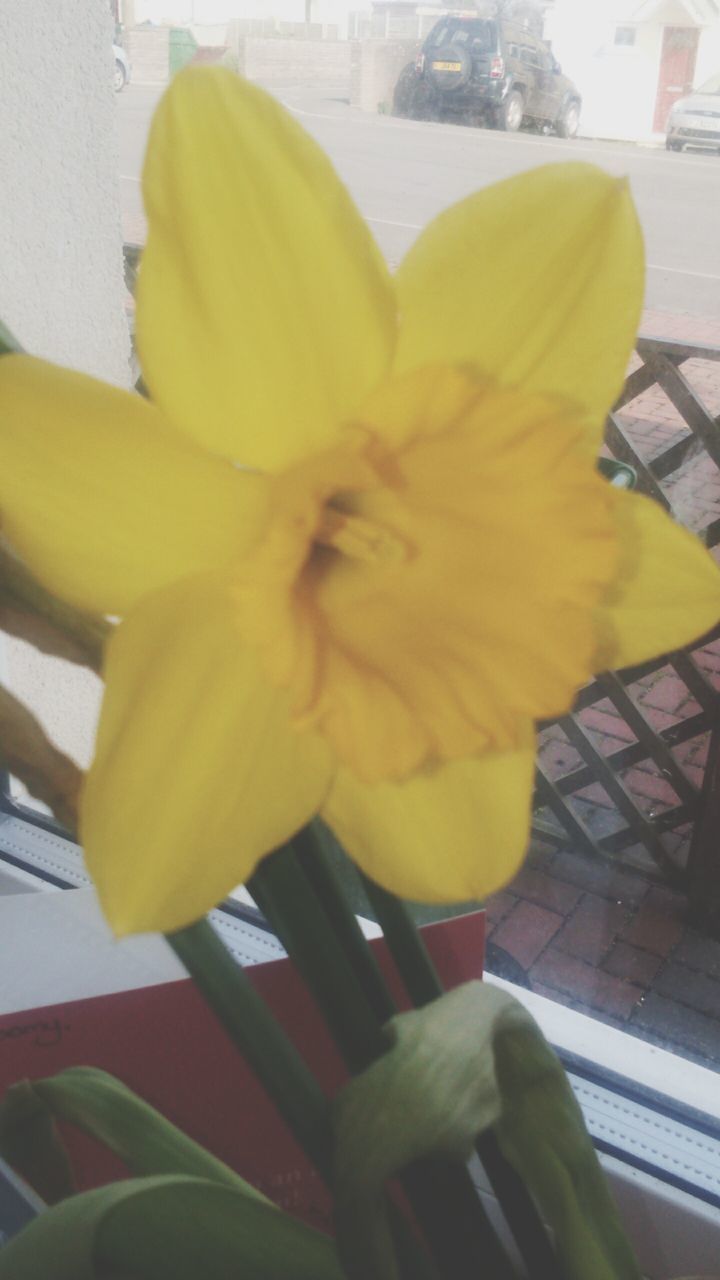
point(632, 60)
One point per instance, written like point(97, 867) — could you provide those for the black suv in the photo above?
point(483, 66)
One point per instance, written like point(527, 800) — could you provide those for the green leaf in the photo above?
point(30, 1143)
point(103, 1107)
point(472, 1059)
point(167, 1228)
point(8, 341)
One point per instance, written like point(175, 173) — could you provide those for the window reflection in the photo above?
point(617, 911)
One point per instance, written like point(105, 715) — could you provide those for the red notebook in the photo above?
point(163, 1042)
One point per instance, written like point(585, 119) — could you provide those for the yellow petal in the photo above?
point(538, 280)
point(197, 772)
point(265, 312)
point(445, 836)
point(102, 498)
point(668, 591)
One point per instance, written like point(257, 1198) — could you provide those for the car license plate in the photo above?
point(447, 66)
point(705, 123)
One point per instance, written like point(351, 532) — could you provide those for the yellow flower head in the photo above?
point(357, 538)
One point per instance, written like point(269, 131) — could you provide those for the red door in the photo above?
point(677, 68)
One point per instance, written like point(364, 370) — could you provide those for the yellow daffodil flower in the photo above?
point(356, 537)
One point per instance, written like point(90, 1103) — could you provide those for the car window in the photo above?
point(710, 86)
point(535, 55)
point(479, 36)
point(483, 36)
point(440, 35)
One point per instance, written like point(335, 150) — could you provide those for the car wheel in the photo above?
point(509, 115)
point(569, 122)
point(403, 92)
point(412, 98)
point(671, 144)
point(119, 77)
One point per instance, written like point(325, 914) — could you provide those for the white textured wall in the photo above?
point(60, 248)
point(61, 289)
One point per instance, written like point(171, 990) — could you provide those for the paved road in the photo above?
point(403, 172)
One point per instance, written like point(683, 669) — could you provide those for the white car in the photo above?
point(121, 73)
point(695, 121)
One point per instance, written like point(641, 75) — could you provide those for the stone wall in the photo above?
point(295, 62)
point(375, 67)
point(368, 69)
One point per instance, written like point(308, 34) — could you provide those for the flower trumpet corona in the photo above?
point(356, 536)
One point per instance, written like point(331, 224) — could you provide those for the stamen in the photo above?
point(359, 539)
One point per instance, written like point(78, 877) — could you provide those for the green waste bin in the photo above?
point(183, 47)
point(620, 474)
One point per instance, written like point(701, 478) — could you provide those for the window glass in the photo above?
point(616, 912)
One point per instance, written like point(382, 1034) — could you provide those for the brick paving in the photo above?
point(627, 957)
point(602, 937)
point(653, 423)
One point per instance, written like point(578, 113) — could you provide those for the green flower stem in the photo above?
point(441, 1192)
point(257, 1035)
point(277, 1064)
point(284, 895)
point(322, 875)
point(407, 947)
point(423, 985)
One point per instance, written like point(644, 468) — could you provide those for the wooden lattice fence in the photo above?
point(633, 774)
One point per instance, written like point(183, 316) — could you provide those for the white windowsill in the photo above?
point(610, 1050)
